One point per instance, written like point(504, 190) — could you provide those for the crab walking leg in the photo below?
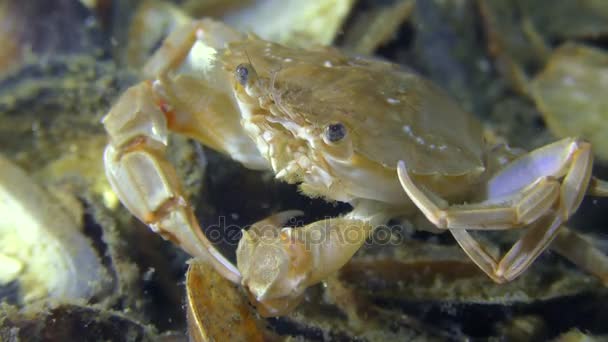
point(581, 252)
point(598, 187)
point(476, 252)
point(524, 191)
point(178, 44)
point(537, 238)
point(540, 235)
point(565, 241)
point(519, 257)
point(523, 253)
point(278, 264)
point(147, 184)
point(516, 210)
point(574, 165)
point(197, 105)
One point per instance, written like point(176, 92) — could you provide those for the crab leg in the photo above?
point(139, 124)
point(278, 264)
point(176, 47)
point(598, 187)
point(531, 181)
point(520, 194)
point(535, 240)
point(476, 251)
point(198, 106)
point(516, 210)
point(519, 257)
point(581, 252)
point(147, 184)
point(565, 242)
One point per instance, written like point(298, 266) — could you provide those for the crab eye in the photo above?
point(335, 132)
point(242, 73)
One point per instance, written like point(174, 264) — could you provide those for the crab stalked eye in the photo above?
point(338, 144)
point(335, 132)
point(244, 73)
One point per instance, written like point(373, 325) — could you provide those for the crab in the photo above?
point(350, 129)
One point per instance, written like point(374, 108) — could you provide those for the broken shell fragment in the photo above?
point(293, 22)
point(371, 29)
point(217, 310)
point(41, 246)
point(570, 92)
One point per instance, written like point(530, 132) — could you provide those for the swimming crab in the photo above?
point(348, 129)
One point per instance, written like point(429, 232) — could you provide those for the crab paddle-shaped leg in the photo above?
point(539, 190)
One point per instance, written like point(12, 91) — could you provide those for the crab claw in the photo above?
point(278, 264)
